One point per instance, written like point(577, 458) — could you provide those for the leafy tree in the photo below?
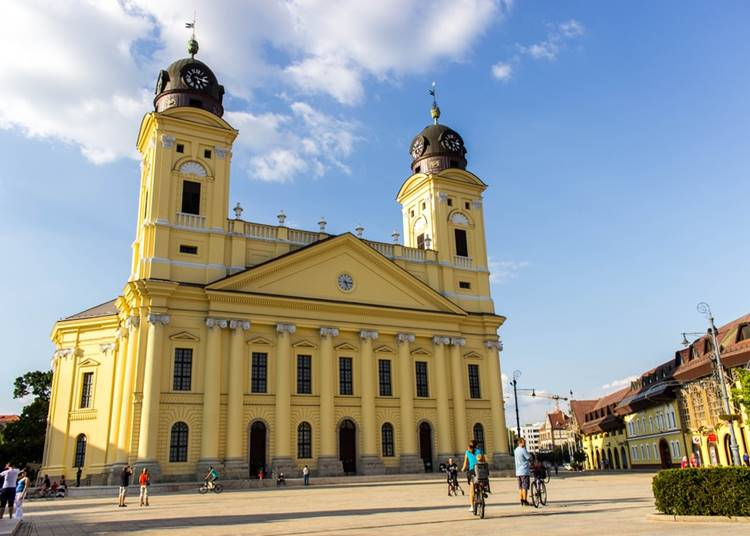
point(741, 394)
point(23, 440)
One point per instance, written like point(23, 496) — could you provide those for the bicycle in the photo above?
point(210, 486)
point(481, 483)
point(454, 486)
point(538, 492)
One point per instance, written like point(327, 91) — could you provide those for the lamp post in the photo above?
point(705, 309)
point(514, 383)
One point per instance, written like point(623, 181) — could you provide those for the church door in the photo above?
point(425, 446)
point(666, 456)
point(348, 447)
point(257, 444)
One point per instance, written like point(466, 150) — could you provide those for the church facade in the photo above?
point(249, 346)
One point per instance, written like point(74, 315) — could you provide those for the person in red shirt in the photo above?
point(144, 480)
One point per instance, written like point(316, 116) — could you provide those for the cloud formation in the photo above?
point(503, 271)
point(619, 384)
point(83, 61)
point(502, 71)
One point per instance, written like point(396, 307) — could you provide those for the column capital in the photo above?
point(368, 334)
point(498, 345)
point(155, 319)
point(406, 337)
point(132, 322)
point(437, 340)
point(242, 325)
point(286, 328)
point(107, 347)
point(220, 323)
point(329, 332)
point(65, 352)
point(458, 341)
point(121, 333)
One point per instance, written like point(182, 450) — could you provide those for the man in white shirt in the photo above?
point(8, 491)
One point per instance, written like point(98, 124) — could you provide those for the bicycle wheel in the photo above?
point(534, 495)
point(218, 488)
point(202, 490)
point(547, 476)
point(542, 493)
point(481, 507)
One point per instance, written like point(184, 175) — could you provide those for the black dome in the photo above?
point(189, 82)
point(436, 148)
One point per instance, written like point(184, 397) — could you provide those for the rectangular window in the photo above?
point(422, 387)
point(450, 202)
point(190, 250)
point(304, 374)
point(183, 369)
point(474, 391)
point(346, 386)
point(180, 148)
point(191, 197)
point(462, 248)
point(259, 372)
point(420, 241)
point(87, 389)
point(464, 284)
point(384, 377)
point(207, 154)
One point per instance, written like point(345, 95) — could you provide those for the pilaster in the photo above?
point(370, 462)
point(444, 443)
point(328, 463)
point(282, 455)
point(236, 463)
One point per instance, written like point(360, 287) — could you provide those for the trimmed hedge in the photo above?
point(704, 491)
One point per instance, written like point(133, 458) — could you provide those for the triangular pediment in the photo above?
point(419, 351)
point(88, 362)
point(260, 341)
point(345, 346)
point(472, 355)
point(183, 336)
point(384, 349)
point(304, 343)
point(339, 269)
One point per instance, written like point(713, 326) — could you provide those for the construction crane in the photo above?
point(556, 398)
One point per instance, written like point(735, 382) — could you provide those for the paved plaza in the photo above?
point(591, 503)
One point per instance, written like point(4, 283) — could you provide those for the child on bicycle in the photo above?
point(451, 471)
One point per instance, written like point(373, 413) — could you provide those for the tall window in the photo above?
point(304, 374)
point(183, 369)
point(191, 197)
point(474, 391)
point(420, 241)
point(421, 370)
point(345, 376)
point(259, 372)
point(479, 434)
point(178, 442)
point(304, 440)
point(386, 436)
point(384, 377)
point(80, 458)
point(87, 390)
point(462, 248)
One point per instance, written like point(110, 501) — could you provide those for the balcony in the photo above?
point(460, 261)
point(192, 221)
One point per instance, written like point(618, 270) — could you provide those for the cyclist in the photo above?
point(211, 477)
point(522, 458)
point(472, 455)
point(451, 471)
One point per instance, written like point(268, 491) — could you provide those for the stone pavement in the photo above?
point(591, 503)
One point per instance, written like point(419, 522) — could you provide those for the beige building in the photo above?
point(245, 345)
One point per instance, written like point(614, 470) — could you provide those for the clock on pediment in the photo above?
point(345, 282)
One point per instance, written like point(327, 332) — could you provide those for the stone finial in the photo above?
point(281, 217)
point(322, 224)
point(427, 242)
point(396, 236)
point(359, 230)
point(238, 211)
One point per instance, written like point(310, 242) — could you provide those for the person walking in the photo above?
point(306, 475)
point(22, 489)
point(8, 491)
point(523, 470)
point(746, 459)
point(145, 481)
point(125, 475)
point(78, 477)
point(684, 462)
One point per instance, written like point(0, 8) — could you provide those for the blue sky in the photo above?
point(614, 138)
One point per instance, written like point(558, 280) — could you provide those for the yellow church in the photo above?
point(251, 347)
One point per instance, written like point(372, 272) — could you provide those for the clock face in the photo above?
point(345, 282)
point(195, 77)
point(163, 78)
point(417, 148)
point(452, 142)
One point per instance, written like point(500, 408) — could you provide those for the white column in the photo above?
point(445, 445)
point(117, 377)
point(327, 390)
point(211, 391)
point(235, 428)
point(406, 395)
point(367, 386)
point(499, 434)
point(458, 373)
point(149, 430)
point(124, 440)
point(283, 448)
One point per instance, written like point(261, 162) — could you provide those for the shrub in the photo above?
point(705, 491)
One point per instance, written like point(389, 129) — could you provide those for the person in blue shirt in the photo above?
point(523, 469)
point(472, 455)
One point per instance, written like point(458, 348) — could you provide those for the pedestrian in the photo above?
point(523, 470)
point(306, 475)
point(78, 477)
point(8, 491)
point(260, 474)
point(22, 489)
point(63, 486)
point(746, 459)
point(693, 461)
point(145, 481)
point(125, 475)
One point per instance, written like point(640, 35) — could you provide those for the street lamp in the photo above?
point(514, 383)
point(705, 309)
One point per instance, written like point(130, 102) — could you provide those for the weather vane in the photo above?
point(192, 43)
point(435, 111)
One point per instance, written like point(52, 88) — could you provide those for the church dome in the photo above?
point(436, 148)
point(189, 82)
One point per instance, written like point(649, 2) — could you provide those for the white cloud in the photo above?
point(502, 71)
point(82, 71)
point(502, 271)
point(618, 384)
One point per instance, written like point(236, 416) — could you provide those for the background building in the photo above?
point(530, 432)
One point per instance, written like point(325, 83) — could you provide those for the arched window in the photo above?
point(178, 442)
point(386, 436)
point(80, 458)
point(479, 435)
point(304, 440)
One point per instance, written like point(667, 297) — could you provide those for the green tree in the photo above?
point(741, 394)
point(23, 440)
